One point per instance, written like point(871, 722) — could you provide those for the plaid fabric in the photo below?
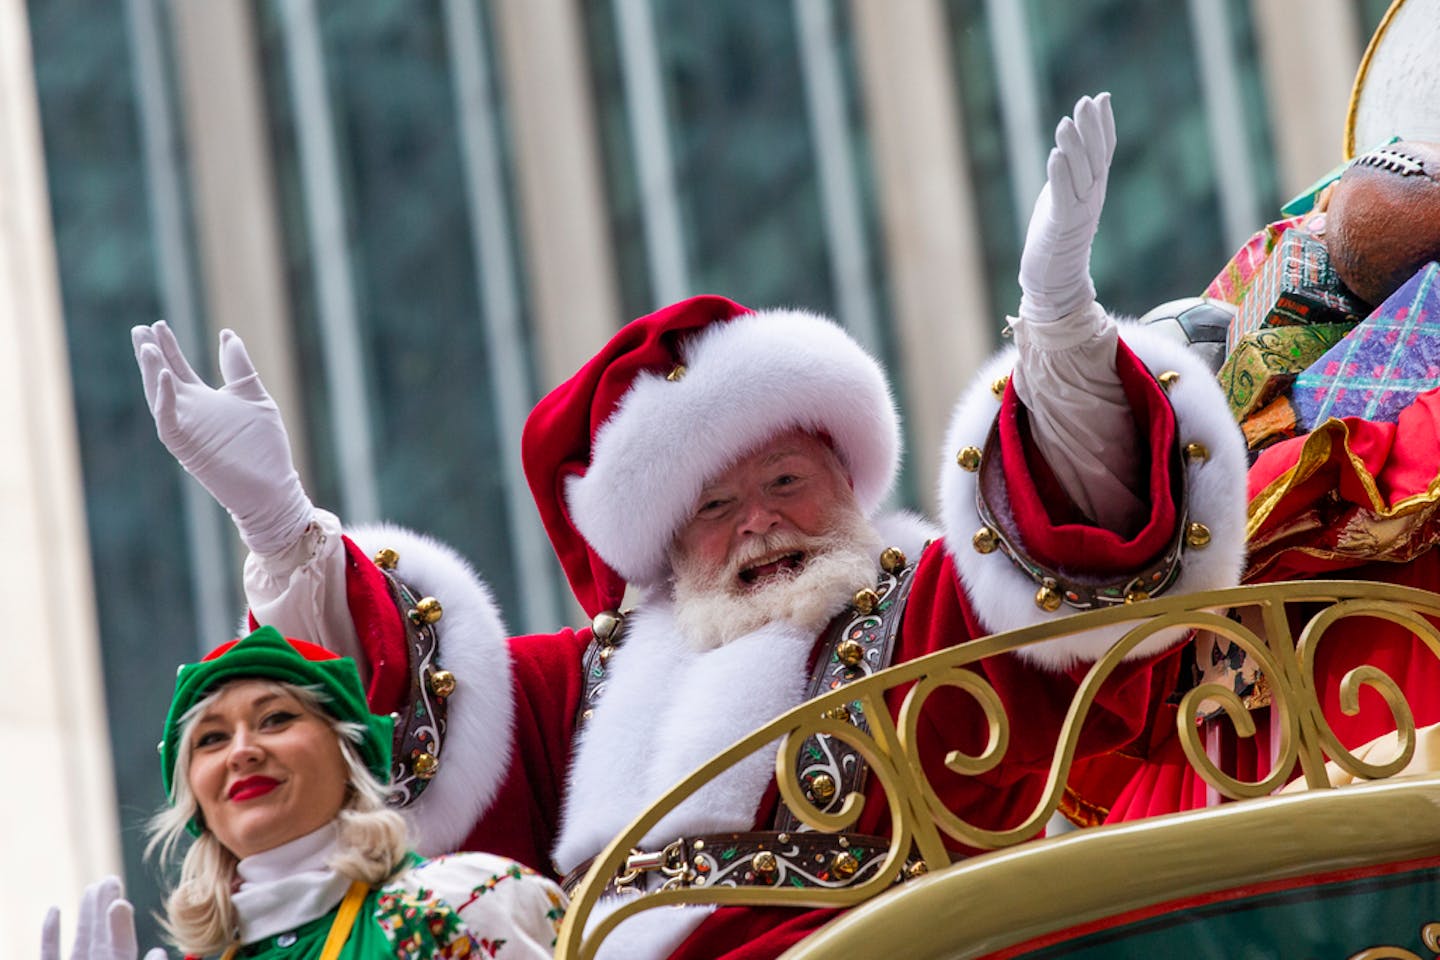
point(1381, 365)
point(1231, 283)
point(1297, 285)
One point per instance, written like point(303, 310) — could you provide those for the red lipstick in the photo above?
point(251, 787)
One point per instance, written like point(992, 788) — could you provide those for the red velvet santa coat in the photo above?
point(513, 781)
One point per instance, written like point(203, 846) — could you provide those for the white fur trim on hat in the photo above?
point(745, 381)
point(480, 732)
point(1004, 597)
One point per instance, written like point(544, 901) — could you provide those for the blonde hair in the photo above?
point(200, 917)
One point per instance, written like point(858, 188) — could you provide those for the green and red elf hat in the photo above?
point(266, 655)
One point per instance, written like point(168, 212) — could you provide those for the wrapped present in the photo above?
point(1297, 285)
point(1231, 283)
point(1264, 364)
point(1382, 364)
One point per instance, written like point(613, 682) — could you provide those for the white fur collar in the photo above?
point(666, 710)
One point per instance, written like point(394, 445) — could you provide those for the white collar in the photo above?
point(290, 885)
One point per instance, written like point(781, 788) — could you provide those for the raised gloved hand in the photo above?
point(232, 439)
point(1065, 374)
point(105, 929)
point(1055, 265)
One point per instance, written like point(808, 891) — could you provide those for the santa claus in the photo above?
point(730, 465)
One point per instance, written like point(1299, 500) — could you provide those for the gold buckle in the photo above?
point(670, 862)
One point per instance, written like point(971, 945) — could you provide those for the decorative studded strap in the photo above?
point(420, 724)
point(859, 642)
point(756, 858)
point(607, 633)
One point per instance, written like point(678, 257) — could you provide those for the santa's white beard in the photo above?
point(712, 606)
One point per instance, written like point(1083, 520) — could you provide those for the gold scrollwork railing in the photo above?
point(919, 817)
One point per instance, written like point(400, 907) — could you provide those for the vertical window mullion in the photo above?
point(839, 187)
point(1016, 76)
point(665, 248)
point(509, 384)
point(205, 525)
point(339, 321)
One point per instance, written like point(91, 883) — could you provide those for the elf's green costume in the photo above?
point(292, 905)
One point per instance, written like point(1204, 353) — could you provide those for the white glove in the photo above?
point(232, 439)
point(1055, 265)
point(1080, 417)
point(105, 929)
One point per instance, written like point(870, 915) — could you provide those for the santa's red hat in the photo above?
point(616, 455)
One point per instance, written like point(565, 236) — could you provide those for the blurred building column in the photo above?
point(564, 219)
point(59, 804)
point(236, 216)
point(1309, 52)
point(933, 251)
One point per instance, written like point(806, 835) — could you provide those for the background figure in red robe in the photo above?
point(730, 466)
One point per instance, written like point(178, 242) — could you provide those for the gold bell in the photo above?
point(676, 374)
point(763, 862)
point(386, 559)
point(823, 786)
point(427, 611)
point(845, 864)
point(968, 458)
point(841, 713)
point(850, 653)
point(442, 683)
point(1136, 595)
point(605, 624)
point(1168, 379)
point(1196, 452)
point(917, 869)
point(865, 600)
point(426, 766)
point(1047, 598)
point(1197, 535)
point(985, 540)
point(998, 387)
point(892, 559)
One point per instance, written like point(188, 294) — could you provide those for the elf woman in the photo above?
point(273, 762)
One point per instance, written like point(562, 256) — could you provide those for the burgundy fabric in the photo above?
point(558, 435)
point(1050, 527)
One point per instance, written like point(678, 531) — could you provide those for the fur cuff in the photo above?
point(480, 730)
point(1003, 596)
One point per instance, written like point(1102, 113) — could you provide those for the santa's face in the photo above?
point(777, 536)
point(781, 493)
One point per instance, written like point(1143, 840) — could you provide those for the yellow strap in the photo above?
point(340, 928)
point(344, 920)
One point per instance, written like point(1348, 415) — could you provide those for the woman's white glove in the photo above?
point(232, 439)
point(105, 928)
point(1065, 376)
point(1055, 265)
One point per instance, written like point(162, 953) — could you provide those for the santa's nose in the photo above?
point(758, 518)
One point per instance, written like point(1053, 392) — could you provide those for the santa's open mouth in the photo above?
point(785, 564)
